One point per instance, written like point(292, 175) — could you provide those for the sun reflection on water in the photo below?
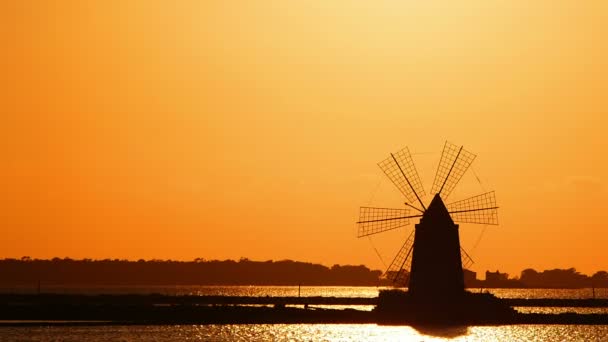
point(306, 332)
point(372, 332)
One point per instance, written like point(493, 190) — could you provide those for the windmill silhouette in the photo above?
point(431, 260)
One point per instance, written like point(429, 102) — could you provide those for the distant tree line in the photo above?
point(568, 278)
point(247, 272)
point(196, 272)
point(530, 278)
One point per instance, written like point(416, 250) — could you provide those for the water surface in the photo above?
point(305, 291)
point(307, 332)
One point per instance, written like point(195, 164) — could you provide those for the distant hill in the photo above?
point(247, 272)
point(197, 272)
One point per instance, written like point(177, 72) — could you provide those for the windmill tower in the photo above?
point(431, 261)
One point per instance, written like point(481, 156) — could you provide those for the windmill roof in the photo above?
point(436, 215)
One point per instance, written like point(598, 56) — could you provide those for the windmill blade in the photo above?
point(479, 209)
point(399, 270)
point(400, 169)
point(466, 260)
point(378, 220)
point(453, 164)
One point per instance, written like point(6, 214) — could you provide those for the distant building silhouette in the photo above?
point(496, 277)
point(470, 278)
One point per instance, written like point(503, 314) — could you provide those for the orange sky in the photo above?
point(149, 129)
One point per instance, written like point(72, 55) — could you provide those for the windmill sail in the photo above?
point(378, 220)
point(465, 259)
point(400, 169)
point(479, 209)
point(453, 164)
point(399, 269)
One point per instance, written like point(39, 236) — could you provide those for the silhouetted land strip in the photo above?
point(558, 302)
point(158, 299)
point(161, 309)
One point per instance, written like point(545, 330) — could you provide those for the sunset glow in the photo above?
point(209, 129)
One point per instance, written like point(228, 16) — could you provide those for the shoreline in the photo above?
point(93, 310)
point(161, 299)
point(242, 315)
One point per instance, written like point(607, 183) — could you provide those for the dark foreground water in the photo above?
point(307, 332)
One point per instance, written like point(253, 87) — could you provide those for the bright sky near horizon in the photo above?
point(215, 129)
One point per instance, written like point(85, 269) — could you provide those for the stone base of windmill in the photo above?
point(401, 307)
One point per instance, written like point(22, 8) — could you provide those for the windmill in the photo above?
point(430, 261)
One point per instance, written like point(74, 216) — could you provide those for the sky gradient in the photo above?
point(149, 129)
